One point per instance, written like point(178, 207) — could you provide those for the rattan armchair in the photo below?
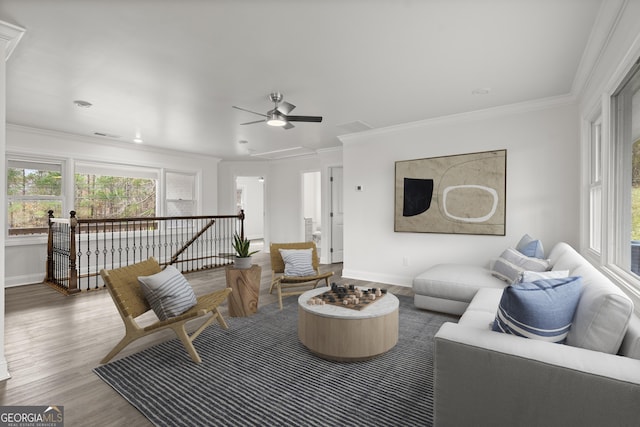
point(129, 298)
point(279, 281)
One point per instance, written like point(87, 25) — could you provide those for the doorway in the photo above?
point(312, 208)
point(250, 198)
point(336, 216)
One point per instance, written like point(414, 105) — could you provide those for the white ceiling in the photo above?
point(171, 70)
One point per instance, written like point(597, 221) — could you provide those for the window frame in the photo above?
point(60, 164)
point(613, 186)
point(195, 199)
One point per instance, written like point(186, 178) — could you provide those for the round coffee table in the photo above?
point(344, 334)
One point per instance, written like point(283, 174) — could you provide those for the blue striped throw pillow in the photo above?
point(541, 310)
point(297, 262)
point(169, 293)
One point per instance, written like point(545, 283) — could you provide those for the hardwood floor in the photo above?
point(52, 343)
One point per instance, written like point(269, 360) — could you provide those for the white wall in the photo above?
point(542, 143)
point(25, 258)
point(284, 214)
point(9, 37)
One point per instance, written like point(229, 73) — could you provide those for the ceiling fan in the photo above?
point(279, 115)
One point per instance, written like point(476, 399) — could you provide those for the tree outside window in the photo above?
point(33, 189)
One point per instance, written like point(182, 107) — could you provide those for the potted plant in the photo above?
point(243, 256)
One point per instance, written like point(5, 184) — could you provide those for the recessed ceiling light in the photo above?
point(481, 91)
point(138, 140)
point(82, 104)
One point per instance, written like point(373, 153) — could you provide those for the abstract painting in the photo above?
point(459, 194)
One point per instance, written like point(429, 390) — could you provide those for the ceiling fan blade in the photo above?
point(315, 119)
point(248, 111)
point(285, 107)
point(250, 123)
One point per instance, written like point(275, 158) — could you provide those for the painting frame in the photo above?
point(454, 194)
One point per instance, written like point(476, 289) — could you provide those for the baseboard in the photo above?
point(25, 279)
point(4, 370)
point(379, 278)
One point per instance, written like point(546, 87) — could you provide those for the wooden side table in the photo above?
point(243, 301)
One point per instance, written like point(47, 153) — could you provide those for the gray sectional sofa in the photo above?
point(487, 378)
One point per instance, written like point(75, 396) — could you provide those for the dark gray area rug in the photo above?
point(257, 373)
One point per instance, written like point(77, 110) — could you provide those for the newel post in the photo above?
point(49, 276)
point(241, 216)
point(73, 271)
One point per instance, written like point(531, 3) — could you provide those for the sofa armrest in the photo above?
point(488, 378)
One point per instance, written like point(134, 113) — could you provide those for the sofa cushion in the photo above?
point(530, 247)
point(631, 343)
point(481, 312)
point(540, 310)
point(458, 282)
point(603, 313)
point(512, 263)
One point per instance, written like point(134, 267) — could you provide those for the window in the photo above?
point(33, 188)
point(114, 191)
point(626, 166)
point(180, 194)
point(96, 191)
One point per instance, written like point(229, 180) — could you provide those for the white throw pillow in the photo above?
point(530, 276)
point(297, 262)
point(168, 292)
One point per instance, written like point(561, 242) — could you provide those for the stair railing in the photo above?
point(78, 248)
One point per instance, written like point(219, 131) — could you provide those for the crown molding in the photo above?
point(107, 142)
point(607, 19)
point(487, 113)
point(11, 34)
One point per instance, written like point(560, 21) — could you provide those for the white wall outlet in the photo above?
point(405, 261)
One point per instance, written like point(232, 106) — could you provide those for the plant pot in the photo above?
point(242, 263)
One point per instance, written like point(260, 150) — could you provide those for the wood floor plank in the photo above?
point(52, 343)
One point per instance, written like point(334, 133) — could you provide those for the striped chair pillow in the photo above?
point(169, 293)
point(541, 310)
point(297, 262)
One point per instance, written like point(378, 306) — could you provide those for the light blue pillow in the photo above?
point(169, 293)
point(530, 247)
point(541, 310)
point(297, 262)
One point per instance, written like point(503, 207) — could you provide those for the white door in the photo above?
point(337, 216)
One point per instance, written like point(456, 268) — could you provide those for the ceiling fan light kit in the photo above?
point(275, 119)
point(279, 115)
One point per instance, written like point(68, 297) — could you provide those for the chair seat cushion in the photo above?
point(168, 292)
